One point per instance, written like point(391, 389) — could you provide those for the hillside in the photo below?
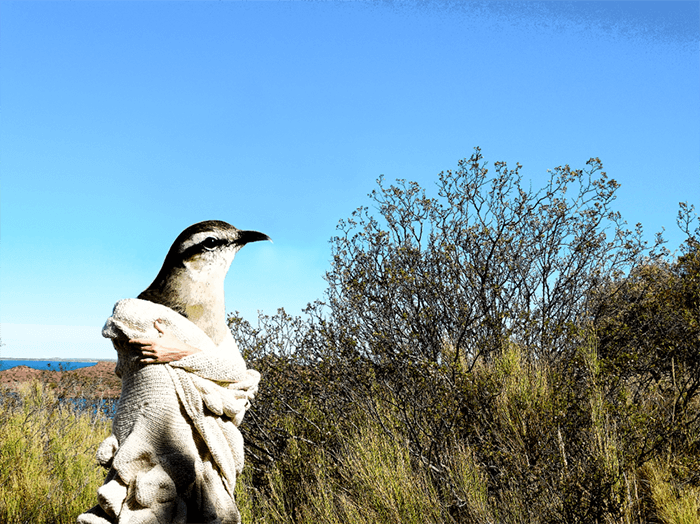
point(89, 382)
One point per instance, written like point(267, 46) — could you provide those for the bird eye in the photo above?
point(210, 243)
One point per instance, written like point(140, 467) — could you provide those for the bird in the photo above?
point(191, 280)
point(175, 450)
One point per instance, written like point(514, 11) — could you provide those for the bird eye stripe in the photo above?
point(206, 244)
point(212, 242)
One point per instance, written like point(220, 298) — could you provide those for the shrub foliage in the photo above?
point(528, 357)
point(48, 472)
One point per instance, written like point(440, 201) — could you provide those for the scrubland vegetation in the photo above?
point(492, 354)
point(48, 471)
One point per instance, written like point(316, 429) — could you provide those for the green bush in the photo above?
point(543, 446)
point(48, 470)
point(528, 354)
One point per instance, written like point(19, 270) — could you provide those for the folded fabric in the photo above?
point(175, 451)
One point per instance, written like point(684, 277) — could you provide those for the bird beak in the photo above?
point(245, 237)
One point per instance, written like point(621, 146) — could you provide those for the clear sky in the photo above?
point(122, 123)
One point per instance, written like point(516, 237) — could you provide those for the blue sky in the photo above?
point(124, 122)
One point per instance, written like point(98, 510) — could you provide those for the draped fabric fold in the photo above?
point(175, 451)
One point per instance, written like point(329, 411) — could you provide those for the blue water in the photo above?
point(51, 365)
point(104, 406)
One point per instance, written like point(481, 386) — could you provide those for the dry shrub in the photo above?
point(48, 473)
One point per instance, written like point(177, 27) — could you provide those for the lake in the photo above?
point(47, 364)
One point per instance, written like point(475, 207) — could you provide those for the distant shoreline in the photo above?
point(86, 379)
point(57, 359)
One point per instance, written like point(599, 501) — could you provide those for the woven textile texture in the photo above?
point(175, 450)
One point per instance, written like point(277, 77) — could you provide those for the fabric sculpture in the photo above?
point(175, 450)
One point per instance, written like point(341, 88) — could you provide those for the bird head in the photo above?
point(205, 250)
point(191, 280)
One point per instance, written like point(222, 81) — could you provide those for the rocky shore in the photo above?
point(98, 381)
